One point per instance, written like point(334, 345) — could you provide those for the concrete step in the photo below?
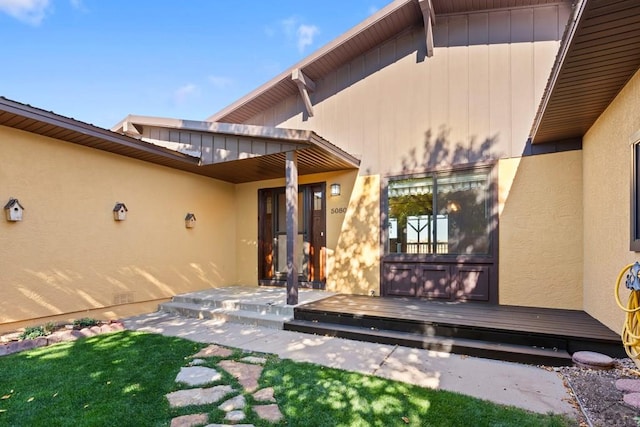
point(470, 347)
point(211, 302)
point(246, 317)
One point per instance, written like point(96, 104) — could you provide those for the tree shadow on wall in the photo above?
point(363, 243)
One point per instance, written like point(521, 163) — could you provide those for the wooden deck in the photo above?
point(525, 334)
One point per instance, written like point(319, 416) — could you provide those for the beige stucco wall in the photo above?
point(353, 231)
point(69, 254)
point(541, 222)
point(607, 163)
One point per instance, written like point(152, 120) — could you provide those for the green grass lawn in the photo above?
point(120, 380)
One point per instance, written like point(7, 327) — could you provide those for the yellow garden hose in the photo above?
point(631, 328)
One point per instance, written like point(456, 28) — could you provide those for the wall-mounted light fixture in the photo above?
point(13, 210)
point(190, 220)
point(120, 212)
point(335, 189)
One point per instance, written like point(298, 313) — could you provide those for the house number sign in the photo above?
point(335, 211)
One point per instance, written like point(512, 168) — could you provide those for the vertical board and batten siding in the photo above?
point(475, 99)
point(213, 148)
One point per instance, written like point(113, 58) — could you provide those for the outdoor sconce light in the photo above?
point(190, 220)
point(335, 189)
point(120, 212)
point(13, 209)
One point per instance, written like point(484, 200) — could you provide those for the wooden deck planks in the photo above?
point(554, 322)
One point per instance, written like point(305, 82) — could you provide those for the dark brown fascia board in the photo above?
point(567, 43)
point(42, 116)
point(327, 49)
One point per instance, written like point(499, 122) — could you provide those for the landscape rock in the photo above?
point(238, 402)
point(632, 399)
point(255, 360)
point(234, 416)
point(213, 351)
point(264, 395)
point(196, 362)
point(269, 413)
point(197, 375)
point(592, 360)
point(628, 385)
point(246, 374)
point(198, 396)
point(190, 420)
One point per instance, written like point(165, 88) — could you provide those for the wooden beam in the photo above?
point(291, 195)
point(305, 84)
point(429, 18)
point(130, 129)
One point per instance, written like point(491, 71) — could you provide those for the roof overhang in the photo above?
point(258, 152)
point(600, 52)
point(315, 154)
point(34, 120)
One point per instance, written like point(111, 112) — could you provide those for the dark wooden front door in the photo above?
point(272, 236)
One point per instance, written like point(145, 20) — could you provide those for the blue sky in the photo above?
point(99, 60)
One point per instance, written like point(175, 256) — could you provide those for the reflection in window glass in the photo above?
point(455, 222)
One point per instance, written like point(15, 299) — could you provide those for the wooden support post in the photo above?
point(291, 166)
point(305, 85)
point(429, 18)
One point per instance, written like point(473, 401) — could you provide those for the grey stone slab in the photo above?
point(197, 375)
point(198, 396)
point(254, 360)
point(235, 416)
point(246, 374)
point(270, 413)
point(632, 399)
point(238, 402)
point(591, 359)
point(190, 420)
point(214, 351)
point(229, 425)
point(523, 386)
point(628, 385)
point(265, 395)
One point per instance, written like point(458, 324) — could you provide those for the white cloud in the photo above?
point(220, 82)
point(373, 9)
point(78, 5)
point(305, 34)
point(30, 11)
point(184, 93)
point(289, 26)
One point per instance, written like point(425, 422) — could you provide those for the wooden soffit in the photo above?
point(599, 53)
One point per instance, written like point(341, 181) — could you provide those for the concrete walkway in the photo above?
point(523, 386)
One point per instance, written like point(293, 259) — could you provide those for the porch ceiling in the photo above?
point(600, 52)
point(391, 20)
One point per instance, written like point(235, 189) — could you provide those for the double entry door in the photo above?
point(272, 236)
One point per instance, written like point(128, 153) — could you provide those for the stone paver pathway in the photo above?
point(247, 372)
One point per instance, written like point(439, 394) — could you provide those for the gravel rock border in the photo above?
point(597, 397)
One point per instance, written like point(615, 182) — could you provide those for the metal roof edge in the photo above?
point(49, 117)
